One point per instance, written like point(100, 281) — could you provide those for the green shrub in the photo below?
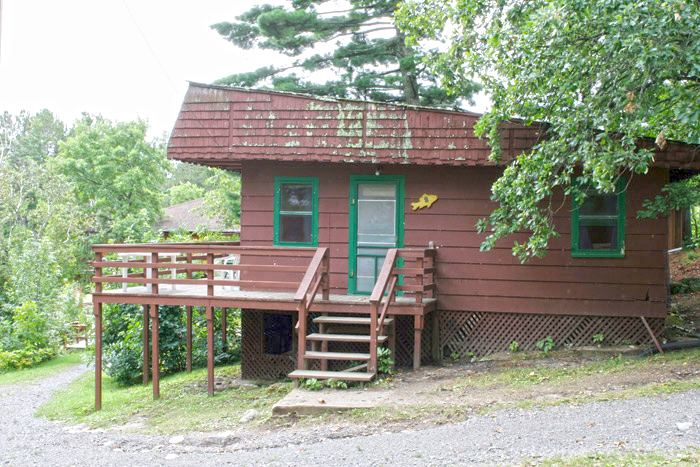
point(24, 358)
point(123, 330)
point(30, 327)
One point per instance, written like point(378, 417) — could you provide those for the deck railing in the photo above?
point(316, 274)
point(173, 264)
point(417, 267)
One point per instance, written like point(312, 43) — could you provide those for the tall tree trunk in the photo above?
point(408, 71)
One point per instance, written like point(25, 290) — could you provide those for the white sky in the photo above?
point(73, 56)
point(120, 58)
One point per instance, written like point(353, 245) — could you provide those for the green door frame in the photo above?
point(399, 181)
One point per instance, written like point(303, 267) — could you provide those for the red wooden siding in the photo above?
point(470, 280)
point(222, 127)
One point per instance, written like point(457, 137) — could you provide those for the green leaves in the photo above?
point(601, 73)
point(369, 60)
point(116, 174)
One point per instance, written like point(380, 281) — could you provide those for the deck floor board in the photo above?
point(224, 296)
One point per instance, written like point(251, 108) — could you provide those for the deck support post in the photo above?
point(392, 340)
point(210, 350)
point(98, 355)
point(188, 311)
point(301, 337)
point(417, 334)
point(155, 352)
point(146, 325)
point(97, 310)
point(373, 321)
point(223, 327)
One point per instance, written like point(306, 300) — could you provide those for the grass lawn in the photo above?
point(183, 406)
point(628, 459)
point(43, 370)
point(615, 378)
point(521, 378)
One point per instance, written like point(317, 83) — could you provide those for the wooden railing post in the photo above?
point(189, 261)
point(373, 311)
point(325, 264)
point(210, 275)
point(420, 264)
point(301, 337)
point(154, 273)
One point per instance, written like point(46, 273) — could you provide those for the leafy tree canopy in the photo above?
point(600, 73)
point(116, 174)
point(370, 60)
point(222, 201)
point(186, 191)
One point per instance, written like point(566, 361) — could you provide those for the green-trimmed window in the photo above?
point(598, 224)
point(296, 211)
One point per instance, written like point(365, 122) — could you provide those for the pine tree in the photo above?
point(371, 59)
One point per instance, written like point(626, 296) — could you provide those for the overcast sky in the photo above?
point(120, 58)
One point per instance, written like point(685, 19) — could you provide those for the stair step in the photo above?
point(344, 338)
point(340, 375)
point(347, 320)
point(336, 355)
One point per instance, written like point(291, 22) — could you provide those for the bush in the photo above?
point(30, 327)
point(123, 359)
point(24, 358)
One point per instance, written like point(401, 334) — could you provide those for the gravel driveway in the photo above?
point(505, 437)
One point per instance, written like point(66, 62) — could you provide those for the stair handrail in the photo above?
point(387, 277)
point(318, 268)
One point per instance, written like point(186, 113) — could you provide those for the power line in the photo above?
point(143, 36)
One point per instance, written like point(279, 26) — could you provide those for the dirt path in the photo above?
point(504, 437)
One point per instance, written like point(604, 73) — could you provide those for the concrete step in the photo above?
point(339, 375)
point(348, 320)
point(313, 355)
point(344, 338)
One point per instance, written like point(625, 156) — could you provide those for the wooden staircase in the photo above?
point(373, 327)
point(338, 330)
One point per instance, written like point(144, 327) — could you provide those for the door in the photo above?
point(376, 225)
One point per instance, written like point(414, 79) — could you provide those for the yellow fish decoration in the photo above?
point(425, 201)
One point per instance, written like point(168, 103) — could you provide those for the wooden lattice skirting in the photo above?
point(460, 333)
point(484, 333)
point(255, 363)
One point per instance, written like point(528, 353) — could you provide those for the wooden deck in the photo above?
point(228, 297)
point(225, 275)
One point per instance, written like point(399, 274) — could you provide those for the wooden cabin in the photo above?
point(358, 231)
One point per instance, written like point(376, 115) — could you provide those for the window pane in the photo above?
point(599, 205)
point(296, 197)
point(377, 191)
point(295, 228)
point(597, 237)
point(376, 218)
